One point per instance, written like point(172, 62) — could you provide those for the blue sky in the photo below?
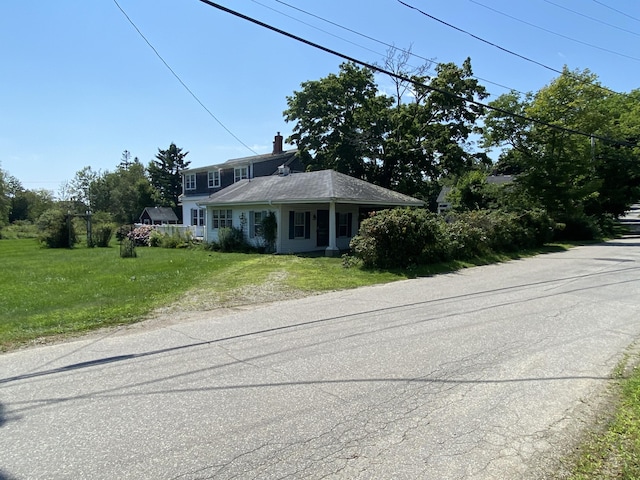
point(79, 85)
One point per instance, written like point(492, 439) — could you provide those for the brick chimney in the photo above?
point(277, 144)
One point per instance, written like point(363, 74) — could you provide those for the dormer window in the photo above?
point(190, 181)
point(240, 173)
point(214, 178)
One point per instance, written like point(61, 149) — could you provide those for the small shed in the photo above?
point(158, 216)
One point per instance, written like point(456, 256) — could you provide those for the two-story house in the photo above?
point(201, 182)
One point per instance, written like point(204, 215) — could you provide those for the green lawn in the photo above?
point(50, 292)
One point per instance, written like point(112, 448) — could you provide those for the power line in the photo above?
point(613, 52)
point(388, 45)
point(618, 11)
point(180, 80)
point(608, 90)
point(407, 79)
point(480, 38)
point(592, 18)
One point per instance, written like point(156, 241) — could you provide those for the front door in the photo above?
point(322, 228)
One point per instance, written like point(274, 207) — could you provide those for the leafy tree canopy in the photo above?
point(569, 174)
point(344, 122)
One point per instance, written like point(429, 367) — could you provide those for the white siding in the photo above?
point(284, 244)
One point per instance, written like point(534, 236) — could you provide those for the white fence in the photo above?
point(195, 231)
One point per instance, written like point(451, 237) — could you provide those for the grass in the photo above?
point(53, 292)
point(615, 453)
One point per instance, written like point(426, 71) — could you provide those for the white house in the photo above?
point(315, 211)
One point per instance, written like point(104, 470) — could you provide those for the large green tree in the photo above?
point(340, 121)
point(429, 137)
point(570, 174)
point(406, 141)
point(164, 174)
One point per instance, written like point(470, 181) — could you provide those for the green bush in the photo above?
point(401, 238)
point(396, 238)
point(270, 231)
point(102, 234)
point(123, 231)
point(577, 227)
point(232, 240)
point(175, 239)
point(155, 239)
point(469, 234)
point(56, 229)
point(172, 241)
point(128, 248)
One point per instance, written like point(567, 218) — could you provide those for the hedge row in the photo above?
point(403, 237)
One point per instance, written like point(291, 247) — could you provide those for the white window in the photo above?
point(214, 179)
point(197, 216)
point(240, 173)
point(299, 225)
point(190, 181)
point(221, 219)
point(255, 223)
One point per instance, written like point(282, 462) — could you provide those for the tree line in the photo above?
point(117, 196)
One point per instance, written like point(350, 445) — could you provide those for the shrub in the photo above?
point(172, 241)
point(396, 238)
point(468, 234)
point(141, 235)
point(56, 230)
point(102, 234)
point(155, 239)
point(577, 227)
point(540, 226)
point(270, 231)
point(123, 232)
point(232, 240)
point(128, 248)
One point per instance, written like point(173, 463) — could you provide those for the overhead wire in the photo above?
point(373, 39)
point(173, 72)
point(597, 47)
point(616, 10)
point(479, 38)
point(407, 79)
point(506, 50)
point(595, 19)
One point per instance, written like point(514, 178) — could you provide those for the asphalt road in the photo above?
point(488, 373)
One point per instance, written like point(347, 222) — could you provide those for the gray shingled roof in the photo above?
point(161, 214)
point(309, 187)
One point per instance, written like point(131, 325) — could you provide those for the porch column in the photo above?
point(332, 250)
